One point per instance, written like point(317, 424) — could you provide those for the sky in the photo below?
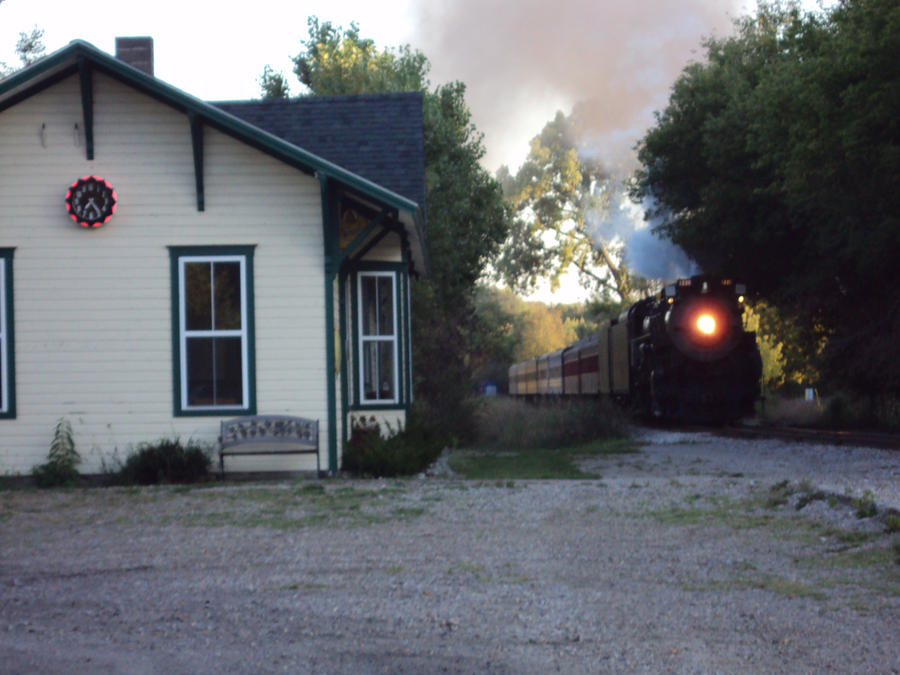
point(521, 60)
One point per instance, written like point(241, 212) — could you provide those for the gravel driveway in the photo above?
point(681, 558)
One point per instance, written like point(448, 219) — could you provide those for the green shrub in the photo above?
point(516, 425)
point(164, 461)
point(60, 467)
point(407, 451)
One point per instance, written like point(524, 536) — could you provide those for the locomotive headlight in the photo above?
point(706, 324)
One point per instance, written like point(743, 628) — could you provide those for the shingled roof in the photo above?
point(376, 136)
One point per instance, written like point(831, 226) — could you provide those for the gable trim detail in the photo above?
point(84, 59)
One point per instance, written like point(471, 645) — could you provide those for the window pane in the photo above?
point(229, 371)
point(385, 306)
point(369, 306)
point(386, 370)
point(2, 370)
point(198, 314)
point(200, 389)
point(227, 295)
point(370, 370)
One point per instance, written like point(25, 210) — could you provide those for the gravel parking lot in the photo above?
point(681, 558)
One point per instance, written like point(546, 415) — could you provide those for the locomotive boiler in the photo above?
point(680, 355)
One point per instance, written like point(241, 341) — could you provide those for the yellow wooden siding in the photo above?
point(93, 308)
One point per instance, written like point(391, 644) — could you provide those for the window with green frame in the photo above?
point(381, 316)
point(7, 344)
point(213, 320)
point(379, 353)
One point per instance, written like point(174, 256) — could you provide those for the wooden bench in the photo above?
point(269, 435)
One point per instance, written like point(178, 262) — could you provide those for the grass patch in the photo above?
point(772, 584)
point(534, 463)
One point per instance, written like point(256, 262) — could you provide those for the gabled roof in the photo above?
point(80, 57)
point(377, 136)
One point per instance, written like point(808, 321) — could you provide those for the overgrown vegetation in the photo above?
point(402, 452)
point(511, 424)
point(60, 469)
point(842, 410)
point(516, 440)
point(164, 461)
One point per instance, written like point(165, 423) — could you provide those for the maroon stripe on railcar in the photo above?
point(590, 364)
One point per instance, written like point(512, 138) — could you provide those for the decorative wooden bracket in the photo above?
point(197, 143)
point(85, 76)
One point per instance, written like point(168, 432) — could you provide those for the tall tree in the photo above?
point(466, 213)
point(560, 201)
point(273, 84)
point(338, 61)
point(29, 48)
point(777, 160)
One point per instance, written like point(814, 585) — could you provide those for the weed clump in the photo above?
point(865, 505)
point(778, 494)
point(164, 461)
point(60, 468)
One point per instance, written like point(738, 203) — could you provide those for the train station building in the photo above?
point(167, 263)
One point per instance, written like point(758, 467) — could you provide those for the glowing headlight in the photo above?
point(706, 324)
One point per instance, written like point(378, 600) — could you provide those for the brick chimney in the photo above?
point(136, 51)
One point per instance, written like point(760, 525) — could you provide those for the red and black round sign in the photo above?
point(91, 201)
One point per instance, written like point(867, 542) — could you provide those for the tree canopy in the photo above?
point(467, 217)
point(777, 160)
point(29, 48)
point(273, 84)
point(561, 201)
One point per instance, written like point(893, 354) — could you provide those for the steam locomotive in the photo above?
point(681, 355)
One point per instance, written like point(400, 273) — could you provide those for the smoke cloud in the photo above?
point(609, 63)
point(522, 60)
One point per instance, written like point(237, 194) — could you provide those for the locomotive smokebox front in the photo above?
point(703, 327)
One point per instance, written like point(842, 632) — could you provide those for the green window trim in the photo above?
point(398, 338)
point(182, 332)
point(7, 339)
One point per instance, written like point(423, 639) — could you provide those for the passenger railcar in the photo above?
point(680, 355)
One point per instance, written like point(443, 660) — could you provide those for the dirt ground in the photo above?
point(681, 558)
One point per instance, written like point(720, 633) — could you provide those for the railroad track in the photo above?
point(869, 439)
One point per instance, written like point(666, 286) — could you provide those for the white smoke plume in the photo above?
point(522, 60)
point(608, 63)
